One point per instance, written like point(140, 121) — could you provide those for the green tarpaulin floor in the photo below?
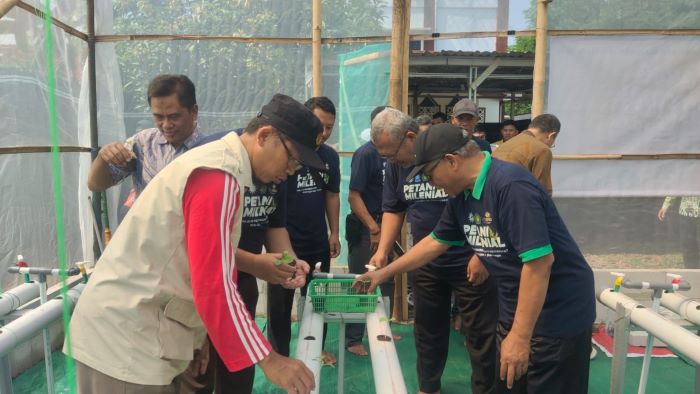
point(668, 375)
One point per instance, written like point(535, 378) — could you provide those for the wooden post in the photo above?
point(406, 31)
point(398, 48)
point(502, 25)
point(538, 77)
point(6, 6)
point(317, 71)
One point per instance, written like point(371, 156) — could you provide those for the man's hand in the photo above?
point(379, 260)
point(374, 239)
point(289, 374)
point(515, 353)
point(116, 154)
point(334, 243)
point(298, 279)
point(476, 272)
point(366, 283)
point(662, 214)
point(200, 361)
point(267, 269)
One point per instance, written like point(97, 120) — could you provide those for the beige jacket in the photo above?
point(136, 320)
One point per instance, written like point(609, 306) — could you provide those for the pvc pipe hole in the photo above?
point(640, 306)
point(384, 338)
point(310, 338)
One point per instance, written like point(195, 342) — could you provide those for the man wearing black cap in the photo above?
point(394, 133)
point(312, 196)
point(465, 114)
point(168, 277)
point(546, 296)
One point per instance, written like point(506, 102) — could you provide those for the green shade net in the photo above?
point(363, 85)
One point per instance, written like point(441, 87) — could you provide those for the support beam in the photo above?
point(61, 25)
point(316, 67)
point(6, 6)
point(399, 47)
point(486, 74)
point(538, 83)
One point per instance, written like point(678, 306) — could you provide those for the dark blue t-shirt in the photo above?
point(264, 206)
point(367, 177)
point(306, 203)
point(483, 144)
point(423, 204)
point(508, 219)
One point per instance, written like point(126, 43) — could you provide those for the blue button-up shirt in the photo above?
point(153, 152)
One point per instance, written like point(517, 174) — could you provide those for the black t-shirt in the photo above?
point(423, 204)
point(264, 206)
point(306, 203)
point(367, 177)
point(509, 219)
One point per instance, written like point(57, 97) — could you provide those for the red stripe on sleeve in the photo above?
point(210, 203)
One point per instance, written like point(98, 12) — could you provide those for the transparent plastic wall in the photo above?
point(627, 95)
point(27, 214)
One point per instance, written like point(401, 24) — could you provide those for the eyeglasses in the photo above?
point(398, 148)
point(428, 169)
point(292, 162)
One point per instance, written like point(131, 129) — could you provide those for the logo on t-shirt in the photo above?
point(482, 237)
point(307, 181)
point(259, 203)
point(418, 189)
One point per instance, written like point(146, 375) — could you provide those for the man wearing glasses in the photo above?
point(546, 294)
point(169, 276)
point(456, 271)
point(312, 197)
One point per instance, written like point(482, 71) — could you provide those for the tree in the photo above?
point(233, 79)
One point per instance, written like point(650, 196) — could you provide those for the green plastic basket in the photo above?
point(338, 295)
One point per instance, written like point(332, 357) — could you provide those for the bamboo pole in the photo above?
point(538, 77)
point(378, 39)
point(608, 156)
point(41, 149)
point(61, 25)
point(6, 6)
point(317, 74)
point(397, 53)
point(406, 27)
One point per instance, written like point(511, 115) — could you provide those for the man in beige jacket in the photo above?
point(168, 277)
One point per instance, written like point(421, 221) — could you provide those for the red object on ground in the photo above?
point(605, 343)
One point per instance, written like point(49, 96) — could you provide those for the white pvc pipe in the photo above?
point(683, 306)
point(29, 324)
point(388, 378)
point(310, 341)
point(678, 338)
point(14, 298)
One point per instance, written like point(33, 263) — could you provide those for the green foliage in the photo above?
point(523, 44)
point(620, 14)
point(230, 76)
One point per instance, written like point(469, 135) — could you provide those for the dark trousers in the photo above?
point(358, 256)
point(279, 305)
point(239, 382)
point(478, 306)
point(690, 241)
point(556, 365)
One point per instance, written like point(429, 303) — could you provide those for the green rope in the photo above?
point(57, 188)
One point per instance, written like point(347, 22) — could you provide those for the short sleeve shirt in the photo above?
point(423, 204)
point(367, 177)
point(306, 203)
point(264, 207)
point(509, 220)
point(153, 152)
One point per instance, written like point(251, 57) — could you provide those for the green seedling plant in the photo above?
point(286, 259)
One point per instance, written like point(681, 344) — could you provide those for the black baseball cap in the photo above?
point(299, 124)
point(437, 141)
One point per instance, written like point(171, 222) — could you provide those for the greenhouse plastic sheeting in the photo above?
point(640, 100)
